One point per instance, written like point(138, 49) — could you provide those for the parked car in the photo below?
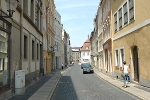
point(82, 65)
point(87, 68)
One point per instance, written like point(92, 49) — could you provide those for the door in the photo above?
point(106, 59)
point(136, 64)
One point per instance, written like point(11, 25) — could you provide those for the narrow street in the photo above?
point(74, 85)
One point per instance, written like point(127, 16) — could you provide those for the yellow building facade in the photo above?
point(130, 27)
point(49, 35)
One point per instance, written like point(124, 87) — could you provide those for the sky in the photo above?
point(77, 18)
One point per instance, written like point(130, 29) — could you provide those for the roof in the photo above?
point(86, 45)
point(75, 48)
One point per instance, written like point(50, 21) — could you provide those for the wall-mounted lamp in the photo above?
point(11, 4)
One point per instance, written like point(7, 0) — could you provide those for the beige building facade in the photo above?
point(131, 25)
point(50, 36)
point(100, 38)
point(22, 47)
point(107, 36)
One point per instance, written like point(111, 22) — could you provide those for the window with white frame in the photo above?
point(115, 22)
point(131, 10)
point(1, 64)
point(83, 53)
point(116, 58)
point(120, 18)
point(125, 13)
point(121, 57)
point(87, 53)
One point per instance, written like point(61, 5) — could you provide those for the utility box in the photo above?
point(5, 77)
point(19, 82)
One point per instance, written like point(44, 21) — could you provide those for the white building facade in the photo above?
point(85, 52)
point(58, 40)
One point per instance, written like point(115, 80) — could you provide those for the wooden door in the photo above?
point(136, 64)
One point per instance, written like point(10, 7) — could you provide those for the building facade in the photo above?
point(21, 44)
point(58, 39)
point(76, 54)
point(107, 36)
point(50, 36)
point(130, 39)
point(100, 37)
point(85, 52)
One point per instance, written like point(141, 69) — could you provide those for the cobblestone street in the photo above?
point(74, 85)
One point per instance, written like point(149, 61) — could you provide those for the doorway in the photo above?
point(106, 60)
point(136, 63)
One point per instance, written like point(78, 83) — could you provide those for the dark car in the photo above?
point(87, 68)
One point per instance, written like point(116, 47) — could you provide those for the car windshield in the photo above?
point(87, 66)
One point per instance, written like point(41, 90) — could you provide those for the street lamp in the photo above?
point(11, 4)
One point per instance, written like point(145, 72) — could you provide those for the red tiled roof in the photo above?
point(86, 45)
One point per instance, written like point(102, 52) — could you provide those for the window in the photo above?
point(115, 22)
point(37, 51)
point(87, 47)
point(125, 13)
point(116, 58)
point(29, 7)
point(83, 53)
point(25, 47)
point(131, 10)
point(121, 56)
point(1, 46)
point(87, 53)
point(32, 50)
point(1, 64)
point(120, 18)
point(36, 13)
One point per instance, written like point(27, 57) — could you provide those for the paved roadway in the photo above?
point(74, 85)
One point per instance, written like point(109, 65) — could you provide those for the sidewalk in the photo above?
point(43, 88)
point(134, 89)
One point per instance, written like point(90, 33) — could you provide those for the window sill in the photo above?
point(25, 59)
point(117, 67)
point(115, 31)
point(131, 21)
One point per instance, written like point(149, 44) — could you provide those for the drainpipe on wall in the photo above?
point(21, 31)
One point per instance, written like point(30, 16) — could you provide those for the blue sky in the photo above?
point(77, 18)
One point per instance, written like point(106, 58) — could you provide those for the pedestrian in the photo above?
point(62, 66)
point(125, 70)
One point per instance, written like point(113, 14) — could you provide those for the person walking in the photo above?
point(125, 70)
point(62, 66)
